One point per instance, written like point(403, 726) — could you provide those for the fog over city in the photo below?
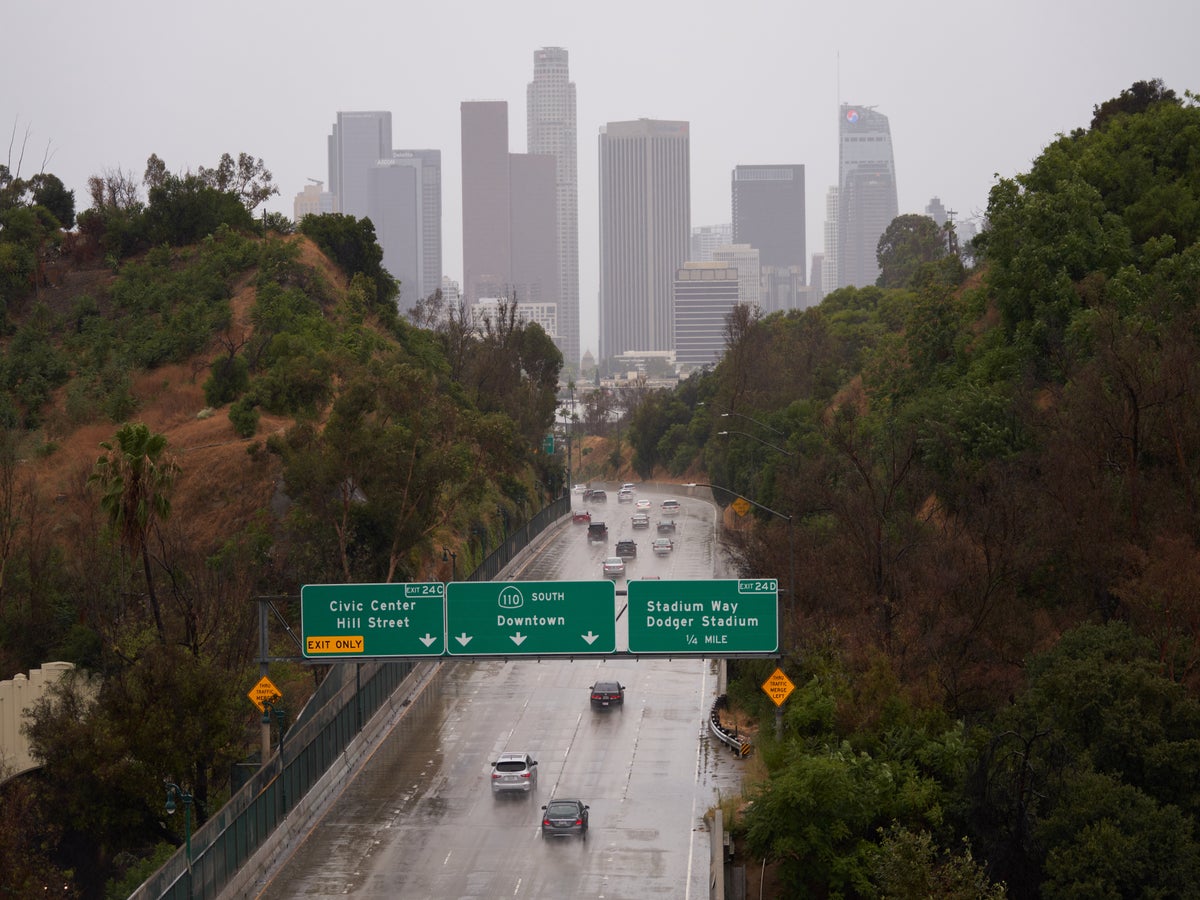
point(970, 91)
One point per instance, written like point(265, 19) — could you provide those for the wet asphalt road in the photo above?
point(420, 819)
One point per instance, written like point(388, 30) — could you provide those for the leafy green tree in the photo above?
point(184, 210)
point(351, 243)
point(50, 193)
point(910, 864)
point(1108, 839)
point(907, 245)
point(820, 813)
point(135, 475)
point(1135, 99)
point(248, 179)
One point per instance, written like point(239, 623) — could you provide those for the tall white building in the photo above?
point(707, 238)
point(829, 267)
point(867, 201)
point(705, 295)
point(746, 260)
point(357, 142)
point(404, 204)
point(645, 231)
point(550, 123)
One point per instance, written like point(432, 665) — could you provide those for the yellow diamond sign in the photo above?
point(778, 687)
point(740, 506)
point(263, 693)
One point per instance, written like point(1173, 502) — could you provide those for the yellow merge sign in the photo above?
point(263, 693)
point(778, 687)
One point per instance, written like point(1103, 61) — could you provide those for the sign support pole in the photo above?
point(262, 671)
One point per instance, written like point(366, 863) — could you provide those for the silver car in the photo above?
point(514, 772)
point(614, 567)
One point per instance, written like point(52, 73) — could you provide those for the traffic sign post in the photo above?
point(531, 618)
point(720, 617)
point(376, 620)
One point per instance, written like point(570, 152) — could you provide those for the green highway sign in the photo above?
point(373, 619)
point(704, 617)
point(530, 618)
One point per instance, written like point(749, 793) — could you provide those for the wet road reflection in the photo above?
point(420, 820)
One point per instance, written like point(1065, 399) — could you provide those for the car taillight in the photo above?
point(545, 821)
point(524, 774)
point(495, 774)
point(579, 821)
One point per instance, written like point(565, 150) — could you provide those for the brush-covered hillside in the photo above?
point(201, 408)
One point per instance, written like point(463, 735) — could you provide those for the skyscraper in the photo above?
point(358, 141)
point(510, 225)
point(705, 294)
point(405, 205)
point(768, 213)
point(550, 125)
point(829, 267)
point(707, 238)
point(867, 201)
point(645, 231)
point(487, 264)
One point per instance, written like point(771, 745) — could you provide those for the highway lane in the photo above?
point(420, 819)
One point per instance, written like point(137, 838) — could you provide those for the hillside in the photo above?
point(225, 479)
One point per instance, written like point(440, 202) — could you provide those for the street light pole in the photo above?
point(752, 437)
point(777, 514)
point(726, 415)
point(175, 792)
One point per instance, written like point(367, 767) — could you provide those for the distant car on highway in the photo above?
point(662, 546)
point(581, 515)
point(641, 520)
point(625, 495)
point(627, 549)
point(579, 488)
point(598, 496)
point(514, 772)
point(614, 567)
point(564, 818)
point(641, 503)
point(666, 526)
point(606, 694)
point(597, 531)
point(670, 507)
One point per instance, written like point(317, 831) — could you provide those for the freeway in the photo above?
point(420, 819)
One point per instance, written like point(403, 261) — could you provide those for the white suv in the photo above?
point(514, 772)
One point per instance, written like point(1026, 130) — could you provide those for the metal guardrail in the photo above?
point(336, 714)
point(740, 746)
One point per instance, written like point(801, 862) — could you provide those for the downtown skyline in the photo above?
point(970, 95)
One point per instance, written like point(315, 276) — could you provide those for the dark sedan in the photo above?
point(561, 818)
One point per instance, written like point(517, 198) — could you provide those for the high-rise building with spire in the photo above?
point(550, 124)
point(867, 201)
point(645, 232)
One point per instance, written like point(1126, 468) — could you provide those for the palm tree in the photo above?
point(135, 477)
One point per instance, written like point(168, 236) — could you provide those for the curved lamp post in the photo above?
point(452, 558)
point(752, 437)
point(726, 415)
point(777, 514)
point(176, 793)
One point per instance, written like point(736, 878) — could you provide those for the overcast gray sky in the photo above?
point(971, 90)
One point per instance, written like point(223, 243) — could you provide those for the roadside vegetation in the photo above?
point(975, 481)
point(199, 408)
point(993, 615)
